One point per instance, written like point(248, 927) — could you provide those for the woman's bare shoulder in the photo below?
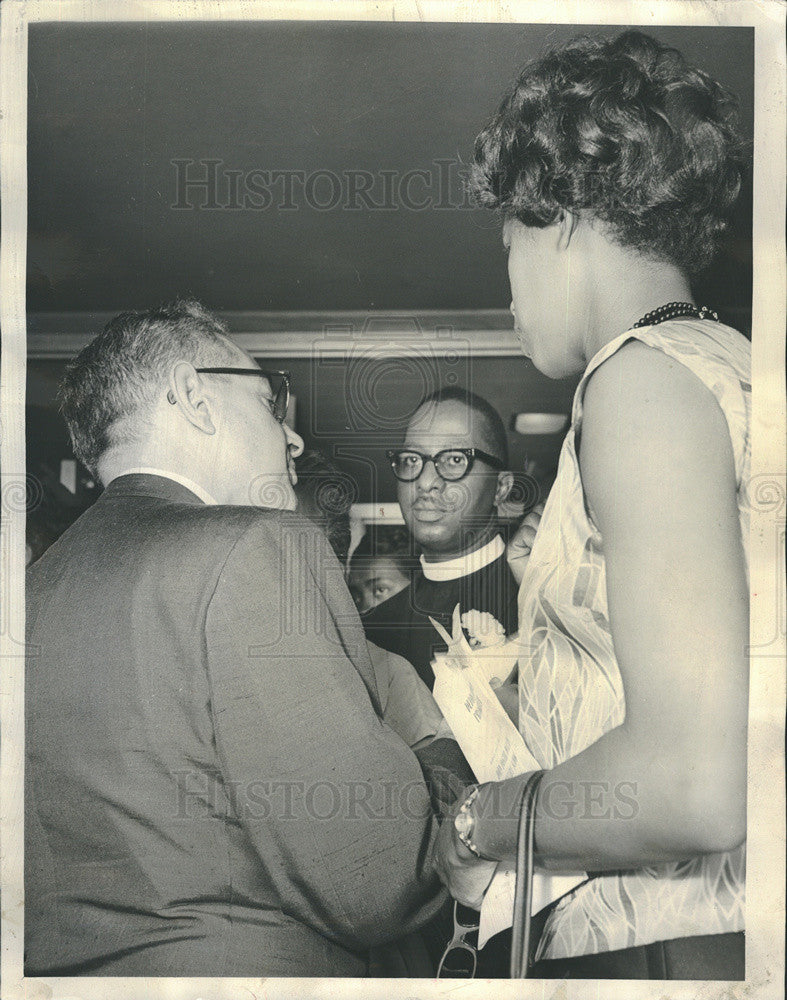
point(649, 424)
point(641, 390)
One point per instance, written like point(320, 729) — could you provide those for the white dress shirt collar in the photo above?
point(471, 562)
point(195, 488)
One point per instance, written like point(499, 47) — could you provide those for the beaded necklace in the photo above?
point(675, 310)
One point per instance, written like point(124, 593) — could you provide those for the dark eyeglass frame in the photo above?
point(458, 942)
point(470, 453)
point(284, 389)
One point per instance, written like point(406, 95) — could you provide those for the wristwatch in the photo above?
point(464, 822)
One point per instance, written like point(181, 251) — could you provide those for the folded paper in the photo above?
point(494, 749)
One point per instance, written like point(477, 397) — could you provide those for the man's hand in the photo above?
point(465, 876)
point(521, 542)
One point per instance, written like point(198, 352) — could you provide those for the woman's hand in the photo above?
point(465, 876)
point(521, 542)
point(508, 696)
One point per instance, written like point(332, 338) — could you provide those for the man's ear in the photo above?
point(505, 482)
point(567, 224)
point(190, 394)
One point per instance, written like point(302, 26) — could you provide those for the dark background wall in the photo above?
point(113, 106)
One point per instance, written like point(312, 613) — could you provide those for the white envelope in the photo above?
point(495, 750)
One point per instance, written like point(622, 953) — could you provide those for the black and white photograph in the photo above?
point(393, 499)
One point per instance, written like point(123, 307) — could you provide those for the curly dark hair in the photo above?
point(624, 131)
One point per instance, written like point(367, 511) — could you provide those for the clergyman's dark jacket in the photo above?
point(401, 624)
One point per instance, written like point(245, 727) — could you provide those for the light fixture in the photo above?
point(540, 423)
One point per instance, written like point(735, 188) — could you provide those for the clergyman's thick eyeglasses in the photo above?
point(451, 464)
point(279, 383)
point(460, 956)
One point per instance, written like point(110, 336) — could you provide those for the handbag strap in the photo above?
point(523, 894)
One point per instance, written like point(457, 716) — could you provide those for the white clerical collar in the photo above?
point(471, 562)
point(195, 488)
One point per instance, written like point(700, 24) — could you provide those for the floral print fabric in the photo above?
point(570, 688)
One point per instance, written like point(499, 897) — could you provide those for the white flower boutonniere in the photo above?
point(489, 649)
point(483, 629)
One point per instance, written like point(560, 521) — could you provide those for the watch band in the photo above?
point(464, 822)
point(492, 818)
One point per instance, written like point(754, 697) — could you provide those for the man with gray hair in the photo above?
point(209, 788)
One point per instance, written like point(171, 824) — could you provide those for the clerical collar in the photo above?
point(195, 488)
point(471, 562)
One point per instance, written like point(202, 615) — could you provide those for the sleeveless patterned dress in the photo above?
point(570, 688)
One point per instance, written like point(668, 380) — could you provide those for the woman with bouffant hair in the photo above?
point(615, 168)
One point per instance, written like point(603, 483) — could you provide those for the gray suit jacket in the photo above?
point(209, 787)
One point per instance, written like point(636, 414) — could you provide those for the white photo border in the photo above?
point(768, 693)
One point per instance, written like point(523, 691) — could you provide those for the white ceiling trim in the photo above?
point(476, 333)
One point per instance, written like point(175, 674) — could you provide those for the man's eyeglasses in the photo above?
point(460, 956)
point(451, 464)
point(279, 383)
